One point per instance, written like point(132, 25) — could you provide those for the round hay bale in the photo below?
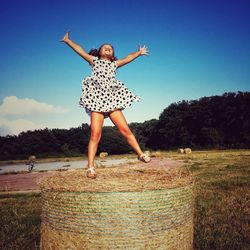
point(180, 151)
point(103, 155)
point(187, 151)
point(156, 154)
point(32, 158)
point(124, 208)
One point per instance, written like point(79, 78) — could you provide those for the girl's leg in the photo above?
point(120, 122)
point(97, 120)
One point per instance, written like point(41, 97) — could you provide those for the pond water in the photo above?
point(63, 165)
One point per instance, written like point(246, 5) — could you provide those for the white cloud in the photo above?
point(12, 105)
point(18, 108)
point(5, 130)
point(8, 127)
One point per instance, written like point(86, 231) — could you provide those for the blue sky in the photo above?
point(196, 49)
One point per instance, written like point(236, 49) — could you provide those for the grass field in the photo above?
point(222, 211)
point(222, 214)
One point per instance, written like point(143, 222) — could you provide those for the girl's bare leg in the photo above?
point(97, 120)
point(120, 122)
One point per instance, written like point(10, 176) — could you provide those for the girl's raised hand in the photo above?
point(66, 37)
point(143, 50)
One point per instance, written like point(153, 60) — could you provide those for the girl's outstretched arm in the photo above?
point(141, 51)
point(78, 49)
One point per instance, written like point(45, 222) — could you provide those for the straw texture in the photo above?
point(124, 208)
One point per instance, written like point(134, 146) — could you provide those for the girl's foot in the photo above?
point(144, 157)
point(91, 173)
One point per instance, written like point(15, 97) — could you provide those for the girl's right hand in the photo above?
point(66, 37)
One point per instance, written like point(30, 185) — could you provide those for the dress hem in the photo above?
point(106, 113)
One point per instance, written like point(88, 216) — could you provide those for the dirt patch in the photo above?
point(24, 181)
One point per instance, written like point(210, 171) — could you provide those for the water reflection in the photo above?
point(63, 165)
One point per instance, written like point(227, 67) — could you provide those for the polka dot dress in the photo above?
point(102, 92)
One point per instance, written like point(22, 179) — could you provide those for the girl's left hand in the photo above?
point(143, 50)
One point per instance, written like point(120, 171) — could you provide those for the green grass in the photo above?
point(20, 221)
point(222, 214)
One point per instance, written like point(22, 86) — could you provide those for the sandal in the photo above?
point(144, 157)
point(91, 173)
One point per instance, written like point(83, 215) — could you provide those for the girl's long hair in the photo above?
point(96, 52)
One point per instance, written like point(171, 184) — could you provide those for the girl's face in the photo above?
point(106, 52)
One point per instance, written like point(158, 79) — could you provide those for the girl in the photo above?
point(104, 96)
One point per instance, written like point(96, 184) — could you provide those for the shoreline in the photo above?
point(62, 159)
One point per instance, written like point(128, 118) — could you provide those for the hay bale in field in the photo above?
point(32, 158)
point(156, 154)
point(103, 155)
point(187, 151)
point(180, 151)
point(131, 207)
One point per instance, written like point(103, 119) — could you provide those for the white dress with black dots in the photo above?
point(102, 92)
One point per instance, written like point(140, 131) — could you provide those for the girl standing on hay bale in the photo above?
point(104, 96)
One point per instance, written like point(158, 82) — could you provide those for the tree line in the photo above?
point(221, 122)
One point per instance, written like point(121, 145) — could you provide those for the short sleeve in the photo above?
point(115, 63)
point(95, 58)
